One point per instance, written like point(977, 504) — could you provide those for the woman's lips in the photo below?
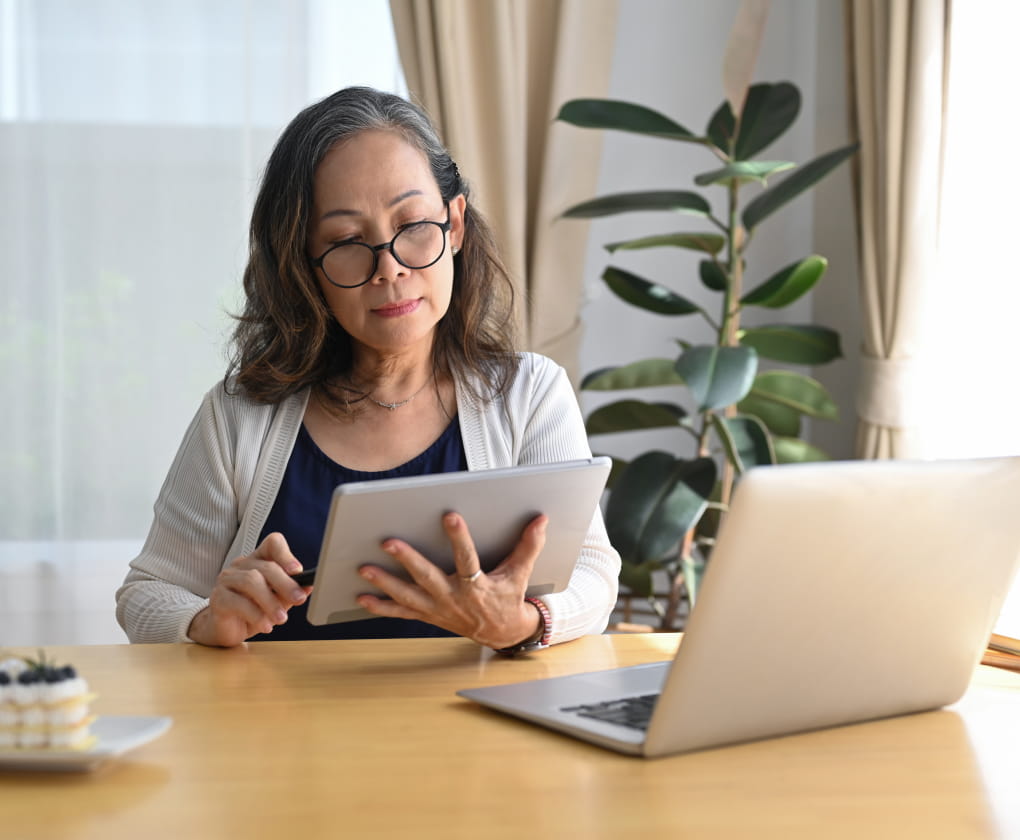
point(394, 310)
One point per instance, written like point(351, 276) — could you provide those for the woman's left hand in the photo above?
point(489, 608)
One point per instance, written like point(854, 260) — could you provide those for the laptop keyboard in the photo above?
point(634, 712)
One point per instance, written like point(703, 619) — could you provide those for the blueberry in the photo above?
point(5, 678)
point(68, 672)
point(28, 677)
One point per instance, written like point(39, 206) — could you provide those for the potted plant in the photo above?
point(664, 508)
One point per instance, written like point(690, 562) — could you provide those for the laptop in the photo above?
point(837, 592)
point(496, 504)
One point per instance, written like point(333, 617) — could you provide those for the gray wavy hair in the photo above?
point(287, 339)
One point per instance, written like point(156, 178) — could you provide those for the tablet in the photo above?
point(496, 504)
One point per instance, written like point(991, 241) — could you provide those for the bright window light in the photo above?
point(971, 346)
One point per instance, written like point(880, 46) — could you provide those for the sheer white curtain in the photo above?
point(970, 337)
point(973, 401)
point(132, 135)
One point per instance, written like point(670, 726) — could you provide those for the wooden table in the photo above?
point(367, 739)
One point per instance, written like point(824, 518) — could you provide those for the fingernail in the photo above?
point(279, 616)
point(390, 548)
point(298, 596)
point(366, 572)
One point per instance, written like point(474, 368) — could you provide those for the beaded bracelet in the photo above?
point(543, 611)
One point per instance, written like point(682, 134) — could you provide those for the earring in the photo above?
point(456, 250)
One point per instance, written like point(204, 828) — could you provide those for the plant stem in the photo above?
point(677, 585)
point(735, 272)
point(731, 314)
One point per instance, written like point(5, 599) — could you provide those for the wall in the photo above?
point(668, 56)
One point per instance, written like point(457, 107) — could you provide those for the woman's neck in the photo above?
point(393, 380)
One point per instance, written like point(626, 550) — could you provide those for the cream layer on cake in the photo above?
point(43, 707)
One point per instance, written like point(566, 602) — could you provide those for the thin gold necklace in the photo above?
point(393, 406)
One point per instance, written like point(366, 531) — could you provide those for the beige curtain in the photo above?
point(898, 55)
point(493, 74)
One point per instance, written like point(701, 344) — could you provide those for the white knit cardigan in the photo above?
point(225, 477)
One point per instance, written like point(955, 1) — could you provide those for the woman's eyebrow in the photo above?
point(404, 196)
point(393, 202)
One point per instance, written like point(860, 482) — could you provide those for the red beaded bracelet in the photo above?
point(543, 611)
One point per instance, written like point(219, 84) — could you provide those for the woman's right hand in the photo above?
point(252, 595)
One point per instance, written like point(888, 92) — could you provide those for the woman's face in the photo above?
point(367, 189)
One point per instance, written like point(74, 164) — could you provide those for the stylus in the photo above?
point(306, 577)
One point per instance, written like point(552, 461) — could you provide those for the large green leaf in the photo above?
point(607, 205)
point(746, 441)
point(797, 344)
point(623, 116)
point(780, 419)
point(720, 129)
point(646, 294)
point(794, 451)
point(630, 415)
point(710, 243)
point(769, 110)
point(654, 502)
point(648, 373)
point(743, 171)
point(798, 181)
point(796, 391)
point(718, 376)
point(712, 276)
point(787, 284)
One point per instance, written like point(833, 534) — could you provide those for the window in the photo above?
point(132, 135)
point(970, 352)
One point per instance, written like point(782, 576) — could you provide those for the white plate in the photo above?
point(115, 735)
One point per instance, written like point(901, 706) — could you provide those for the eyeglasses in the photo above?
point(352, 264)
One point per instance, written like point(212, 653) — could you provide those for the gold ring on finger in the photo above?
point(471, 578)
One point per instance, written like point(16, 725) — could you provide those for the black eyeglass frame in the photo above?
point(385, 246)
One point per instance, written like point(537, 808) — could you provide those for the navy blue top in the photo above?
point(300, 511)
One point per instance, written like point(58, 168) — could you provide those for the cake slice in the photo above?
point(43, 706)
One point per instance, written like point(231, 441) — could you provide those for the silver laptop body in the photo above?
point(837, 592)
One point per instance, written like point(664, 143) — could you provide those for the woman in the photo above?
point(376, 341)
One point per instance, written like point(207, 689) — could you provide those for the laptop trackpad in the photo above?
point(623, 682)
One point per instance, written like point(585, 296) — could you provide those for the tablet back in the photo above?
point(496, 504)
